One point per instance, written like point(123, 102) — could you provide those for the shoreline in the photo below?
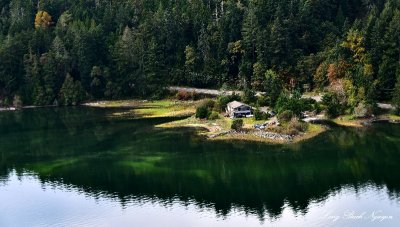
point(217, 129)
point(6, 109)
point(364, 122)
point(267, 137)
point(220, 129)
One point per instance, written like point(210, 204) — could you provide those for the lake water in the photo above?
point(79, 167)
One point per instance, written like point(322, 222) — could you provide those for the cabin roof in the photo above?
point(236, 104)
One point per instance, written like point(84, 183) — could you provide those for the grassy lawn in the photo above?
point(166, 108)
point(312, 131)
point(212, 126)
point(393, 117)
point(312, 128)
point(250, 122)
point(150, 109)
point(348, 120)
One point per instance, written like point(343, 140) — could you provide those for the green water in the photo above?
point(79, 167)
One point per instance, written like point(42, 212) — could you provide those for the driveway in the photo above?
point(216, 92)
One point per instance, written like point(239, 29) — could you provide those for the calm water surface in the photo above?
point(79, 167)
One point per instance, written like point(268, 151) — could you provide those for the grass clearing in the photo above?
point(393, 117)
point(312, 131)
point(150, 109)
point(250, 122)
point(348, 120)
point(212, 126)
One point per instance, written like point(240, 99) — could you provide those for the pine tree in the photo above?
point(71, 92)
point(154, 69)
point(390, 60)
point(250, 30)
point(21, 15)
point(396, 94)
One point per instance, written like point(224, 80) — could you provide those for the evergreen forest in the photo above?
point(70, 51)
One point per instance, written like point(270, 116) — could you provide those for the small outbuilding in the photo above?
point(238, 109)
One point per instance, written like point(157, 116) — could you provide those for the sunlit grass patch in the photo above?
point(153, 109)
point(165, 108)
point(394, 117)
point(212, 126)
point(348, 120)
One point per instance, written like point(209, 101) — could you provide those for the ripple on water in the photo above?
point(59, 205)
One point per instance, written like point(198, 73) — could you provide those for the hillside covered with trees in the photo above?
point(74, 50)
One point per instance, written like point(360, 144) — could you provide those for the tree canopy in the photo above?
point(126, 48)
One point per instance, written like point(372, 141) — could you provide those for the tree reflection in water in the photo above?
point(131, 160)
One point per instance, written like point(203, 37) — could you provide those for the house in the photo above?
point(238, 109)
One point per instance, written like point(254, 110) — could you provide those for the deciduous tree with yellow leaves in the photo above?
point(43, 20)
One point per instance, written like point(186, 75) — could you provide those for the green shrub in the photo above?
point(307, 104)
point(317, 107)
point(297, 125)
point(289, 102)
point(217, 107)
point(209, 103)
point(285, 116)
point(259, 115)
point(262, 100)
point(213, 116)
point(237, 124)
point(363, 110)
point(332, 103)
point(293, 127)
point(203, 111)
point(249, 96)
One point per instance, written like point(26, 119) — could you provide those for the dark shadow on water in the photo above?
point(130, 160)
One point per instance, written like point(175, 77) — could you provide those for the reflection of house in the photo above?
point(238, 109)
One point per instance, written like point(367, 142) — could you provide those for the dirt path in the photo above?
point(204, 91)
point(317, 98)
point(386, 106)
point(216, 92)
point(7, 109)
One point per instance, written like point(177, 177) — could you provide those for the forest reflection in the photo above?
point(131, 161)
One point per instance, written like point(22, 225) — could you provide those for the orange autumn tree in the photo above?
point(42, 20)
point(337, 70)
